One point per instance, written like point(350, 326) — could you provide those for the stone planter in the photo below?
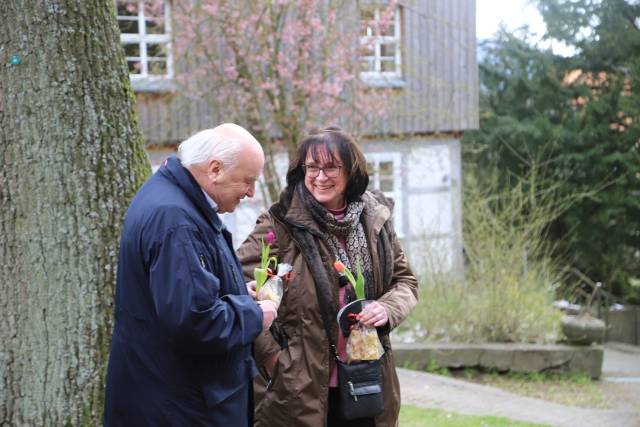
point(582, 329)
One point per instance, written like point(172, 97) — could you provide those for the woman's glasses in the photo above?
point(313, 171)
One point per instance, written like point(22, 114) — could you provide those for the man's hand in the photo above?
point(374, 314)
point(269, 313)
point(251, 288)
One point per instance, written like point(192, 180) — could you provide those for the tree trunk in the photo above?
point(71, 157)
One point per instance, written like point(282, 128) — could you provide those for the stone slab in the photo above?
point(503, 357)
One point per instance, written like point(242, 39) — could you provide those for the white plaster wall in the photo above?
point(430, 166)
point(431, 215)
point(430, 170)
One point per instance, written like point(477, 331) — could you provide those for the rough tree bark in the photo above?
point(71, 157)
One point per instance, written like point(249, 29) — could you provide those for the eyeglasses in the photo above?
point(313, 171)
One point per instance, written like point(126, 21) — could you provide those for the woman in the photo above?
point(325, 214)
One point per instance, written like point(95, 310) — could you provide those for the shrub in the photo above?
point(511, 274)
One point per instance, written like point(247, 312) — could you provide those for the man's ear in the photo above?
point(215, 170)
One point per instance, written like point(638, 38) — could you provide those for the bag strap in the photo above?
point(310, 252)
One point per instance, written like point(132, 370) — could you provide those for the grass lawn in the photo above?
point(573, 390)
point(412, 416)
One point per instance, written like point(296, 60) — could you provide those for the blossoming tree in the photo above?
point(280, 67)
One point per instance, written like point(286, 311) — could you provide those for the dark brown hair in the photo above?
point(336, 141)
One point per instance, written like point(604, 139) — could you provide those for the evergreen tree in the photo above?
point(579, 118)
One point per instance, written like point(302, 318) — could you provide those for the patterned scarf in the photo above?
point(349, 228)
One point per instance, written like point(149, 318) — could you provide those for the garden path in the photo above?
point(621, 371)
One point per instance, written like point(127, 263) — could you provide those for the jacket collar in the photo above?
point(172, 169)
point(299, 215)
point(377, 210)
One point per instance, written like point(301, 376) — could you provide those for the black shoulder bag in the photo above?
point(360, 389)
point(360, 383)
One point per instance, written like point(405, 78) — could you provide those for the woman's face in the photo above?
point(327, 190)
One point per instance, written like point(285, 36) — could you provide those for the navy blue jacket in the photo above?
point(181, 353)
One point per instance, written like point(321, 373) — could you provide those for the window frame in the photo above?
point(396, 193)
point(377, 77)
point(144, 81)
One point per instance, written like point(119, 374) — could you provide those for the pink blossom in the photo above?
point(282, 66)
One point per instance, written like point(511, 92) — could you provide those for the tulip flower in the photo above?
point(262, 273)
point(271, 238)
point(357, 282)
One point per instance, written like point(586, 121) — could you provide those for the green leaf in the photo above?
point(359, 288)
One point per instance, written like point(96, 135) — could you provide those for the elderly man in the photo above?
point(181, 353)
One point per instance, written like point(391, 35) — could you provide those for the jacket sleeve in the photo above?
point(187, 300)
point(249, 254)
point(402, 297)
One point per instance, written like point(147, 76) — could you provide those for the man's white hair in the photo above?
point(221, 143)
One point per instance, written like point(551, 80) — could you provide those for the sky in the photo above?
point(513, 14)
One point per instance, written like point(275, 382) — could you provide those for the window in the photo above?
point(384, 171)
point(380, 47)
point(145, 34)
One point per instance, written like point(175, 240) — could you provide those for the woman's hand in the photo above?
point(374, 314)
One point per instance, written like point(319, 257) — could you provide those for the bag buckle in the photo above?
point(352, 391)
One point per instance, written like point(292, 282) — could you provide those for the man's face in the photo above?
point(237, 181)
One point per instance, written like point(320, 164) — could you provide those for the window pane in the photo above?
point(386, 185)
point(386, 176)
point(366, 22)
point(371, 170)
point(128, 26)
point(388, 66)
point(388, 49)
point(135, 67)
point(388, 29)
point(155, 26)
point(368, 49)
point(367, 15)
point(386, 168)
point(154, 15)
point(127, 8)
point(154, 9)
point(156, 50)
point(157, 67)
point(131, 49)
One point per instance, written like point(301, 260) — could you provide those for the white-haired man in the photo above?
point(181, 353)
